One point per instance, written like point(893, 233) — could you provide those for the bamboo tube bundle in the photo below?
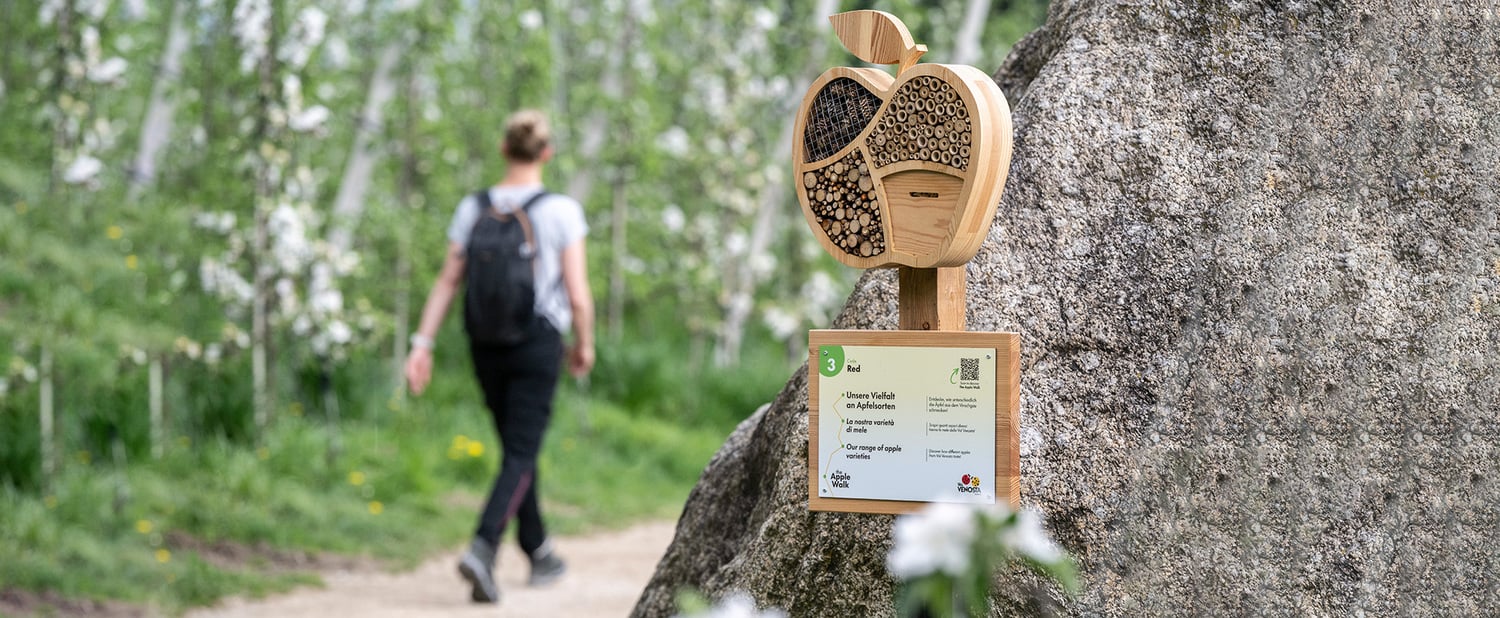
point(927, 121)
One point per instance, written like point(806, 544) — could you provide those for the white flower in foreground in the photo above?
point(310, 119)
point(938, 538)
point(1028, 538)
point(736, 605)
point(82, 170)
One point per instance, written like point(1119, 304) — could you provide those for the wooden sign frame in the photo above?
point(1007, 348)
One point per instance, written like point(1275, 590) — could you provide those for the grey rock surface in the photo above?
point(1253, 252)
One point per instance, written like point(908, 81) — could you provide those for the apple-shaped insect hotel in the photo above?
point(904, 170)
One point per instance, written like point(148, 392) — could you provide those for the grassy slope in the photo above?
point(407, 482)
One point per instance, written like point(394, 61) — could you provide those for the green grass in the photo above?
point(407, 481)
point(395, 481)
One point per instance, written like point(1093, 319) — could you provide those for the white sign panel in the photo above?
point(906, 423)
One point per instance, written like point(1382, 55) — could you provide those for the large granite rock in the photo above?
point(1253, 251)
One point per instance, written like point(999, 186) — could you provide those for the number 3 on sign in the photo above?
point(833, 360)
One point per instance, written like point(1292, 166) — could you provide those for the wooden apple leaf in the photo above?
point(877, 37)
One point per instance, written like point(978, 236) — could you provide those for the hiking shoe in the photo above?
point(546, 568)
point(478, 568)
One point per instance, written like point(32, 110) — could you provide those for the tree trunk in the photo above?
point(966, 42)
point(48, 444)
point(154, 385)
point(160, 112)
point(349, 203)
point(265, 193)
point(618, 252)
point(596, 126)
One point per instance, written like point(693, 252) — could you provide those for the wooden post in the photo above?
point(932, 298)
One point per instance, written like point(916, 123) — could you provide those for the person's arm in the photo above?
point(419, 360)
point(575, 277)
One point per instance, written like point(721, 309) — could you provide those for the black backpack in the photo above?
point(500, 292)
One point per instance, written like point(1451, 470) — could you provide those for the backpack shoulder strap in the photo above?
point(482, 196)
point(532, 201)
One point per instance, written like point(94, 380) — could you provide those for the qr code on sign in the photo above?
point(969, 367)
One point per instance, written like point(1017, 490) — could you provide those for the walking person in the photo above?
point(516, 313)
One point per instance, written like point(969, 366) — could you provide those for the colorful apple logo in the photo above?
point(903, 170)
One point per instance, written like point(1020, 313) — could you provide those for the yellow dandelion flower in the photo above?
point(115, 232)
point(163, 556)
point(356, 478)
point(84, 457)
point(21, 208)
point(50, 502)
point(476, 448)
point(131, 261)
point(455, 454)
point(376, 507)
point(262, 453)
point(143, 526)
point(295, 409)
point(461, 442)
point(184, 441)
point(171, 578)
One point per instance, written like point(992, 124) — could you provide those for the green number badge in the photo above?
point(830, 360)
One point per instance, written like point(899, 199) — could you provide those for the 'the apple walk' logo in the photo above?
point(903, 170)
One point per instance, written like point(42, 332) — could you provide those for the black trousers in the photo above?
point(518, 382)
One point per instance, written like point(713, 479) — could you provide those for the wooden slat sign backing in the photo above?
point(898, 419)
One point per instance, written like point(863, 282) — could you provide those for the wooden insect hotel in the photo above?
point(904, 170)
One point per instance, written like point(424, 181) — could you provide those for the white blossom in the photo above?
point(108, 71)
point(531, 19)
point(783, 323)
point(339, 332)
point(764, 18)
point(736, 243)
point(212, 353)
point(937, 539)
point(83, 169)
point(49, 11)
point(28, 373)
point(94, 9)
point(138, 356)
point(673, 219)
point(307, 33)
point(674, 141)
point(310, 119)
point(326, 302)
point(301, 325)
point(252, 28)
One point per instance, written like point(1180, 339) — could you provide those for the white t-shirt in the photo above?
point(557, 221)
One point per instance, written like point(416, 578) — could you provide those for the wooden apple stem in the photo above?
point(932, 298)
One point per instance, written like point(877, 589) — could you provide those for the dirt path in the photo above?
point(606, 573)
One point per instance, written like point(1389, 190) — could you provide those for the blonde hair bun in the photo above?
point(526, 136)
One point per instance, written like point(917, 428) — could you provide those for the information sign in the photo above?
point(901, 418)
